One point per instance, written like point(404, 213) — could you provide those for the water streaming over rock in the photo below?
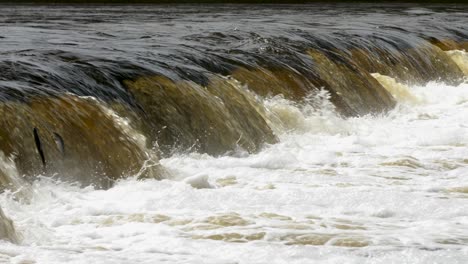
point(280, 127)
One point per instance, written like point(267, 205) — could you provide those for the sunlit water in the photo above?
point(373, 189)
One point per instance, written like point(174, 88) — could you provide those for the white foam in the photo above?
point(392, 184)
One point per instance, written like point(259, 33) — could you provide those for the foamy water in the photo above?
point(373, 189)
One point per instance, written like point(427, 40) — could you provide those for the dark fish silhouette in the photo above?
point(39, 146)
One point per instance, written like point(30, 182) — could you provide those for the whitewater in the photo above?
point(384, 188)
point(316, 133)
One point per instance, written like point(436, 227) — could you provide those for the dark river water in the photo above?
point(331, 133)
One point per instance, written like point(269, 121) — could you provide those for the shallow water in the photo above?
point(385, 187)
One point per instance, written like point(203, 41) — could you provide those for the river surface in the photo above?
point(334, 186)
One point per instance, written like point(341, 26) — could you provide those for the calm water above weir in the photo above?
point(234, 134)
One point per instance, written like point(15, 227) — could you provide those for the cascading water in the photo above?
point(233, 134)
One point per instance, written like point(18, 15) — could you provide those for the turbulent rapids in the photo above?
point(227, 124)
